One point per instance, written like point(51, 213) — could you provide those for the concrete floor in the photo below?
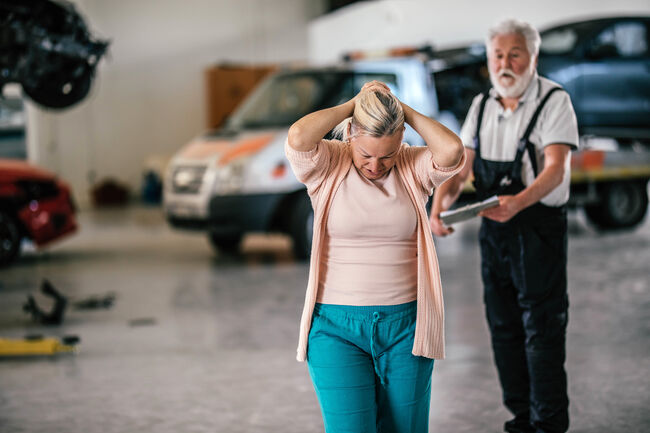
point(201, 343)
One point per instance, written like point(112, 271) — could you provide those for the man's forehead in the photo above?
point(509, 40)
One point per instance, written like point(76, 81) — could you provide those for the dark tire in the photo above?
point(62, 89)
point(9, 239)
point(622, 205)
point(302, 226)
point(225, 243)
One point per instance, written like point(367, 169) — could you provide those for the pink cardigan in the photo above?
point(322, 171)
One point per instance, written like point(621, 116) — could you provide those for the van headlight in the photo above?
point(230, 178)
point(187, 179)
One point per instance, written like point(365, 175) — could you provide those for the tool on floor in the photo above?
point(38, 345)
point(53, 317)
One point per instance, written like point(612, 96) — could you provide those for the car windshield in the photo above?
point(563, 39)
point(284, 98)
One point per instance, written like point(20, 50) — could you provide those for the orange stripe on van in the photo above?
point(245, 147)
point(202, 149)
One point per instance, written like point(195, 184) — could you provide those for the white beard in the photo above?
point(518, 87)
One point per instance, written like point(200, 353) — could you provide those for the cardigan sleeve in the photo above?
point(311, 167)
point(428, 174)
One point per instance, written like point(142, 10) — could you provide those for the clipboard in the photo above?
point(467, 212)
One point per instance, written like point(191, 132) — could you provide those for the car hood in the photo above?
point(223, 150)
point(15, 169)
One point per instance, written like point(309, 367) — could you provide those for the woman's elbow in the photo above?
point(454, 154)
point(295, 137)
point(459, 150)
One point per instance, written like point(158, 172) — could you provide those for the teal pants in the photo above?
point(365, 376)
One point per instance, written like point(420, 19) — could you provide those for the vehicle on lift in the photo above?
point(47, 48)
point(34, 205)
point(237, 179)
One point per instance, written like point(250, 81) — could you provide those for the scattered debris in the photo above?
point(144, 321)
point(95, 302)
point(57, 313)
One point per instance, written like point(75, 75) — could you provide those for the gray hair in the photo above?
point(376, 114)
point(511, 25)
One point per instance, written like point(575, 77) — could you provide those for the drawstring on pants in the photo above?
point(373, 332)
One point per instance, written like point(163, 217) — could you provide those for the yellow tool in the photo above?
point(37, 345)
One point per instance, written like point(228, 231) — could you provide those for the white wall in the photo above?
point(383, 24)
point(148, 98)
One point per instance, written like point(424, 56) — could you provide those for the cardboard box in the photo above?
point(227, 85)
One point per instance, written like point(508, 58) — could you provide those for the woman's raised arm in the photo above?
point(305, 134)
point(446, 147)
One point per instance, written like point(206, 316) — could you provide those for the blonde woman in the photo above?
point(372, 323)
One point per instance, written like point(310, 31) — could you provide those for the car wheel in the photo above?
point(225, 243)
point(302, 226)
point(9, 239)
point(622, 205)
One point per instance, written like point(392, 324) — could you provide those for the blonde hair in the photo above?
point(376, 114)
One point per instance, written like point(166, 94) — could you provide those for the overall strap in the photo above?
point(479, 120)
point(524, 142)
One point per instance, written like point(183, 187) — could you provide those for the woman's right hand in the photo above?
point(438, 228)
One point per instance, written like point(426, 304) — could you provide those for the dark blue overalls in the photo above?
point(523, 266)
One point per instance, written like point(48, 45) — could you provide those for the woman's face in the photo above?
point(375, 156)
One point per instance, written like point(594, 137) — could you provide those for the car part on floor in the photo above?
point(53, 317)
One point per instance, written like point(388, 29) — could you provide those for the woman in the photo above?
point(373, 317)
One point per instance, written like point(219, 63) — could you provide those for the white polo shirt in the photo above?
point(501, 130)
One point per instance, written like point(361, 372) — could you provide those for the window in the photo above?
point(624, 39)
point(560, 41)
point(285, 98)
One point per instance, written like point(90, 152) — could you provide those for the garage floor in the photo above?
point(196, 342)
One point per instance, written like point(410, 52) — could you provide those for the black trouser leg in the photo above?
point(524, 274)
point(542, 254)
point(506, 328)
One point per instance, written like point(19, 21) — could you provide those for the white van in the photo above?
point(237, 180)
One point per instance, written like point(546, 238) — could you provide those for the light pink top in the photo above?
point(369, 254)
point(322, 170)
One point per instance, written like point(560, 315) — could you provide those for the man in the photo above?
point(518, 138)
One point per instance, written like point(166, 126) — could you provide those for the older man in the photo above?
point(518, 138)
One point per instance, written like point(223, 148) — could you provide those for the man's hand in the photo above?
point(509, 206)
point(438, 228)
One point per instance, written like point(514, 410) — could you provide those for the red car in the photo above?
point(34, 204)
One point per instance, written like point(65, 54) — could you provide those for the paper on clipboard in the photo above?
point(467, 212)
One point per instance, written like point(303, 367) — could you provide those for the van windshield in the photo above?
point(284, 98)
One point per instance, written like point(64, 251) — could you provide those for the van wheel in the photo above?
point(9, 239)
point(225, 243)
point(622, 205)
point(302, 226)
